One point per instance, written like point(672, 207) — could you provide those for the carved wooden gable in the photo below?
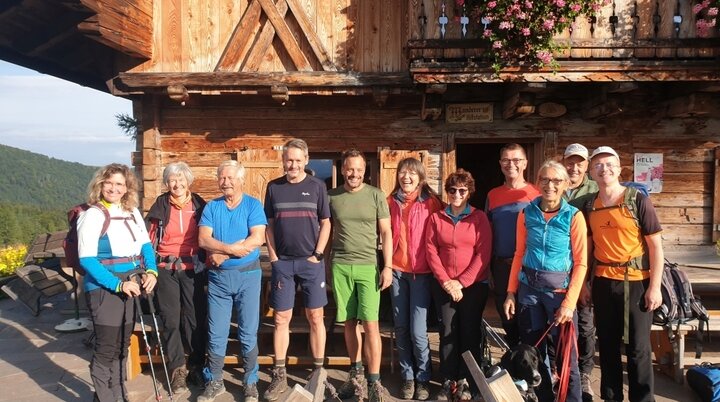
point(266, 24)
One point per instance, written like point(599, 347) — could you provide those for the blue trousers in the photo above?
point(537, 310)
point(228, 289)
point(410, 296)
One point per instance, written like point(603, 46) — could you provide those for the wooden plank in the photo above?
point(687, 27)
point(316, 384)
point(298, 394)
point(285, 35)
point(479, 377)
point(716, 198)
point(240, 40)
point(389, 159)
point(503, 387)
point(341, 25)
point(666, 30)
point(645, 28)
point(686, 234)
point(265, 39)
point(624, 29)
point(370, 32)
point(311, 35)
point(261, 166)
point(247, 79)
point(581, 30)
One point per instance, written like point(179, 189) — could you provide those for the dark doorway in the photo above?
point(482, 160)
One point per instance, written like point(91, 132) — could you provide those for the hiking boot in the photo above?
point(195, 376)
point(251, 393)
point(587, 392)
point(356, 384)
point(178, 381)
point(422, 390)
point(407, 391)
point(447, 393)
point(278, 385)
point(463, 390)
point(213, 389)
point(376, 392)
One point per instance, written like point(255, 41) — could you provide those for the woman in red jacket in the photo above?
point(459, 243)
point(411, 204)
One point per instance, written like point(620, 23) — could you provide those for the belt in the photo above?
point(120, 260)
point(507, 261)
point(173, 263)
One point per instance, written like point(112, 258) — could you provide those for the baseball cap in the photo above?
point(604, 150)
point(576, 149)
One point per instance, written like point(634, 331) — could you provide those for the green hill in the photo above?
point(35, 193)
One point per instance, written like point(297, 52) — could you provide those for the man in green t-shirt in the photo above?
point(359, 211)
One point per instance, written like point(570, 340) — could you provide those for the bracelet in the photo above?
point(121, 286)
point(387, 267)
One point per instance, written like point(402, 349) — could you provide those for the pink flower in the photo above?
point(697, 8)
point(560, 3)
point(491, 4)
point(548, 24)
point(487, 33)
point(706, 3)
point(460, 3)
point(575, 7)
point(713, 11)
point(544, 56)
point(497, 45)
point(526, 31)
point(528, 4)
point(505, 25)
point(521, 16)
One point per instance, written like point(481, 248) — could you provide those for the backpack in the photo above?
point(70, 243)
point(705, 381)
point(679, 305)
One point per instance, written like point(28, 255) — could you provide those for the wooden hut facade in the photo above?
point(214, 80)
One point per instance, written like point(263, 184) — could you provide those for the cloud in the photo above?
point(47, 115)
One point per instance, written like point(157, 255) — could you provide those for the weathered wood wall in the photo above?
point(252, 129)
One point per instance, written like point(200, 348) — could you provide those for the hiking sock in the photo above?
point(372, 378)
point(279, 363)
point(356, 365)
point(318, 362)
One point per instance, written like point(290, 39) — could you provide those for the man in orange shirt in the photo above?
point(627, 248)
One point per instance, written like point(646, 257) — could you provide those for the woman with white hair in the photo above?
point(548, 271)
point(173, 227)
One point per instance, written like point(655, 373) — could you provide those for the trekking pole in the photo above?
point(495, 336)
point(138, 308)
point(157, 333)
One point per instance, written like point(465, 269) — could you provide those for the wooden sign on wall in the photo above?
point(469, 113)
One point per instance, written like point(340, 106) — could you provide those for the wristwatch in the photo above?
point(318, 255)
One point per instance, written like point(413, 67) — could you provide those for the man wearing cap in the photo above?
point(624, 232)
point(576, 162)
point(503, 205)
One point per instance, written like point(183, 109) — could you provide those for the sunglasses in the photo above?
point(461, 191)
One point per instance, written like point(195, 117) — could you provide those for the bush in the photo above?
point(11, 258)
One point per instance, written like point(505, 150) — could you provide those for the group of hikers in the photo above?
point(551, 250)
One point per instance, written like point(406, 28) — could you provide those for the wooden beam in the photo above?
point(716, 198)
point(311, 35)
point(264, 40)
point(286, 36)
point(229, 80)
point(432, 107)
point(655, 43)
point(240, 40)
point(690, 105)
point(126, 26)
point(518, 104)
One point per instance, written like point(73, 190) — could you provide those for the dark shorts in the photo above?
point(288, 274)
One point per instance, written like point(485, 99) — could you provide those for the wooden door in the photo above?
point(389, 159)
point(261, 166)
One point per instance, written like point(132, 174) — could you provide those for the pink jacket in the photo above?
point(418, 216)
point(459, 251)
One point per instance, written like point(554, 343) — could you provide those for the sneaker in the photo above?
point(422, 390)
point(213, 389)
point(447, 393)
point(278, 385)
point(251, 393)
point(178, 381)
point(408, 389)
point(463, 390)
point(376, 392)
point(587, 392)
point(355, 385)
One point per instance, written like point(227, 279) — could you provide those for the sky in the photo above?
point(60, 119)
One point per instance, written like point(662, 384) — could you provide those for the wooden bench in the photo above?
point(668, 343)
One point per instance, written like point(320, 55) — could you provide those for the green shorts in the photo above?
point(357, 292)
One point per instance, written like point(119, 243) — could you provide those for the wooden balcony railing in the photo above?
point(622, 30)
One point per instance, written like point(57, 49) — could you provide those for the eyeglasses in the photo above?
point(546, 180)
point(506, 161)
point(461, 191)
point(601, 166)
